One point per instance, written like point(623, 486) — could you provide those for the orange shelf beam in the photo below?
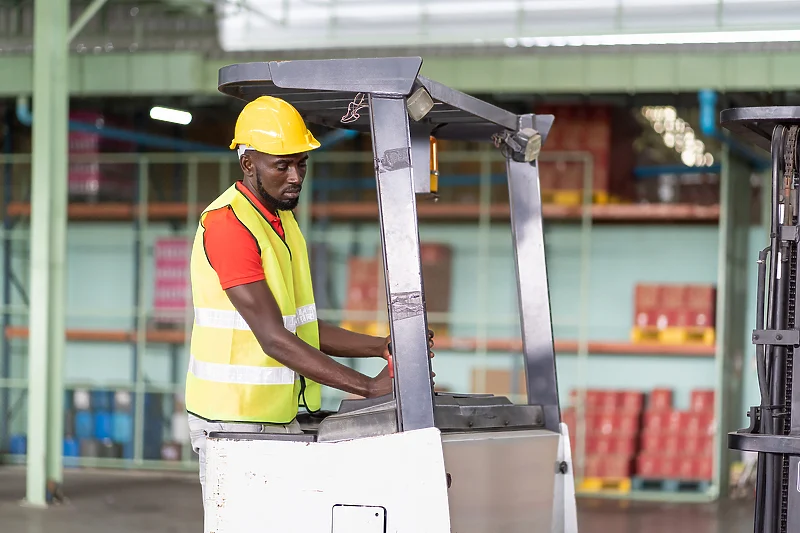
point(102, 335)
point(443, 343)
point(425, 210)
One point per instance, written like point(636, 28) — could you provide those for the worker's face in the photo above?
point(277, 178)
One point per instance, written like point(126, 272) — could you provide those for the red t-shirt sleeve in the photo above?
point(231, 249)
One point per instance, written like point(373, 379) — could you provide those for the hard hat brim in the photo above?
point(295, 148)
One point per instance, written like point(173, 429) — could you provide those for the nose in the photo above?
point(294, 177)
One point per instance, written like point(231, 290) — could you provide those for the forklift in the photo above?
point(416, 460)
point(774, 431)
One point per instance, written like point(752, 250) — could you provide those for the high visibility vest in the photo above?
point(230, 378)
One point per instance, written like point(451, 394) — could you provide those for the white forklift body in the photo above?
point(414, 461)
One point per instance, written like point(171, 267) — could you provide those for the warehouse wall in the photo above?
point(101, 292)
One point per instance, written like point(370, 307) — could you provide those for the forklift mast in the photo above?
point(774, 430)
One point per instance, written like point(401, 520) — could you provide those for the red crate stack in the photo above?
point(674, 313)
point(88, 178)
point(677, 444)
point(647, 306)
point(699, 307)
point(365, 293)
point(172, 294)
point(578, 129)
point(612, 423)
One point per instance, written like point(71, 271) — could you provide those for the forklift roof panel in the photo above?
point(755, 124)
point(333, 93)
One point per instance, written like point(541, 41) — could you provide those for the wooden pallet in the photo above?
point(674, 336)
point(573, 197)
point(605, 485)
point(670, 485)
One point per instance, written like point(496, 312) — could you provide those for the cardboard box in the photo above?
point(649, 465)
point(618, 466)
point(660, 400)
point(437, 275)
point(647, 305)
point(702, 400)
point(498, 382)
point(701, 302)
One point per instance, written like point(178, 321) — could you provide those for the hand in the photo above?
point(381, 384)
point(387, 346)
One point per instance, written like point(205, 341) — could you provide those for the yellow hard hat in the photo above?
point(272, 126)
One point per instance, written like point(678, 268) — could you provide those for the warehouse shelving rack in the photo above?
point(143, 213)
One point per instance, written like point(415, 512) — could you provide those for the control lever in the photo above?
point(389, 361)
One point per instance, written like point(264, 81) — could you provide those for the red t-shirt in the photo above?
point(230, 247)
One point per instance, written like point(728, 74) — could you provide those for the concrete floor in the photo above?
point(122, 502)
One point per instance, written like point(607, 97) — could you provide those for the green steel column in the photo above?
point(50, 93)
point(141, 312)
point(58, 251)
point(732, 305)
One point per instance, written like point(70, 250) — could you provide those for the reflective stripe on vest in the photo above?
point(231, 319)
point(242, 375)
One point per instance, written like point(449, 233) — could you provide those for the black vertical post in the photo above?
point(532, 286)
point(771, 488)
point(391, 144)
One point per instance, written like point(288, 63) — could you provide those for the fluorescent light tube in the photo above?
point(171, 115)
point(708, 37)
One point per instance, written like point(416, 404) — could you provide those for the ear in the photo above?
point(246, 164)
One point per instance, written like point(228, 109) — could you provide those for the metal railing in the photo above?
point(186, 182)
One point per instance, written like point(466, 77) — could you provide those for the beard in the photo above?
point(272, 203)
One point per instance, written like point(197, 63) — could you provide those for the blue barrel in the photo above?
point(122, 428)
point(18, 445)
point(72, 451)
point(103, 425)
point(84, 425)
point(102, 400)
point(123, 402)
point(81, 400)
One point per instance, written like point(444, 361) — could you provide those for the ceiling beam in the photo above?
point(627, 72)
point(87, 14)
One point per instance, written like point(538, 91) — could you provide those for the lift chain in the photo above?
point(789, 184)
point(790, 153)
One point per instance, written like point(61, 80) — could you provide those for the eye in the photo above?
point(282, 168)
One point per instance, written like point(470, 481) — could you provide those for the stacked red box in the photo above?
point(437, 273)
point(611, 439)
point(674, 305)
point(677, 444)
point(647, 305)
point(584, 129)
point(699, 307)
point(172, 292)
point(87, 177)
point(363, 284)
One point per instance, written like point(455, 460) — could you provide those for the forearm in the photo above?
point(340, 342)
point(304, 359)
point(258, 307)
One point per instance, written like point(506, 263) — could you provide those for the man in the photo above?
point(258, 351)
